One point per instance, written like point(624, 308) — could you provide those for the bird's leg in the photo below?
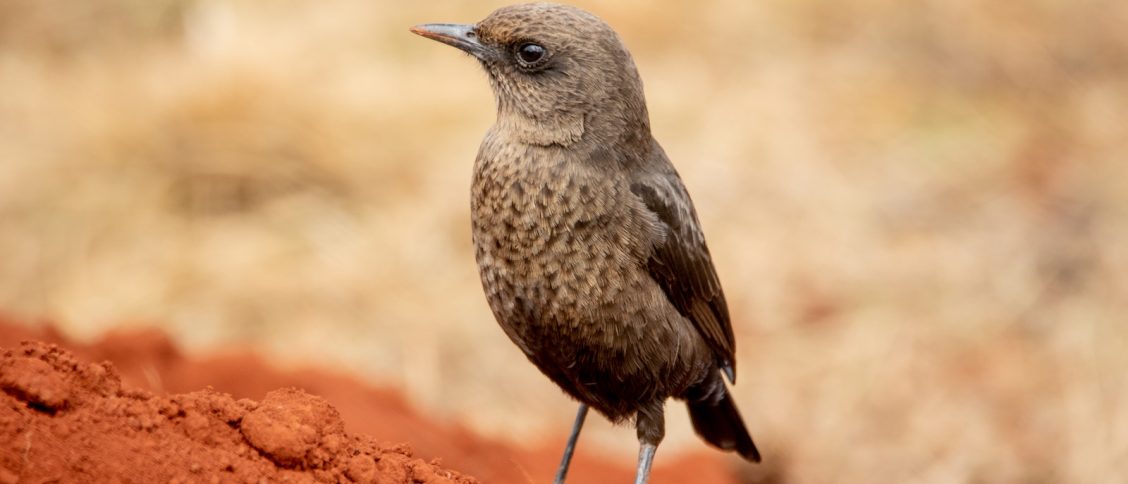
point(645, 458)
point(650, 423)
point(562, 472)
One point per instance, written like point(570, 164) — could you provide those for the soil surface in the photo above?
point(67, 420)
point(132, 408)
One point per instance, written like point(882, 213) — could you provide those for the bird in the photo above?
point(589, 248)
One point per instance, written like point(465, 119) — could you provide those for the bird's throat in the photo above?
point(563, 129)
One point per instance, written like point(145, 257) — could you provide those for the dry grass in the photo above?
point(919, 211)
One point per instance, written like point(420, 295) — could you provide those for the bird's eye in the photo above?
point(529, 54)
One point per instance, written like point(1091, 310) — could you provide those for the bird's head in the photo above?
point(559, 74)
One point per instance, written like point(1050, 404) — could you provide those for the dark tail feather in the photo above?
point(721, 426)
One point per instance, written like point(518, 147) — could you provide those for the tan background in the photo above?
point(919, 210)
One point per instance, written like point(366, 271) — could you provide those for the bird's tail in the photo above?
point(719, 423)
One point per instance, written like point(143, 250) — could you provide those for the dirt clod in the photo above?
point(295, 429)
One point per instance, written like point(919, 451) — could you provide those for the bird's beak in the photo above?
point(457, 35)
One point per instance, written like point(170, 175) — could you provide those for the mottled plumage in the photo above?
point(589, 248)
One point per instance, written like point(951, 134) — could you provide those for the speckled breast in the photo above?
point(562, 253)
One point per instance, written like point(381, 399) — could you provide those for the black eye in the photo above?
point(529, 54)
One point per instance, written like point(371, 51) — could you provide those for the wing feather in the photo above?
point(680, 263)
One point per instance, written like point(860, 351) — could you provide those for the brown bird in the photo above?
point(588, 246)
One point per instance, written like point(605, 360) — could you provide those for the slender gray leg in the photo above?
point(562, 472)
point(645, 457)
point(650, 423)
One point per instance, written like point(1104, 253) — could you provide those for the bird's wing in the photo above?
point(681, 264)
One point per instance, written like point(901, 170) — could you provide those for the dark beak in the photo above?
point(457, 35)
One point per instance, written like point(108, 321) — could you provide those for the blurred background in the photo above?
point(919, 211)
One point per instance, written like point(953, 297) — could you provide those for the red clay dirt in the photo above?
point(150, 414)
point(68, 421)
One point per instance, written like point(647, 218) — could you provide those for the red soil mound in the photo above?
point(147, 361)
point(64, 420)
